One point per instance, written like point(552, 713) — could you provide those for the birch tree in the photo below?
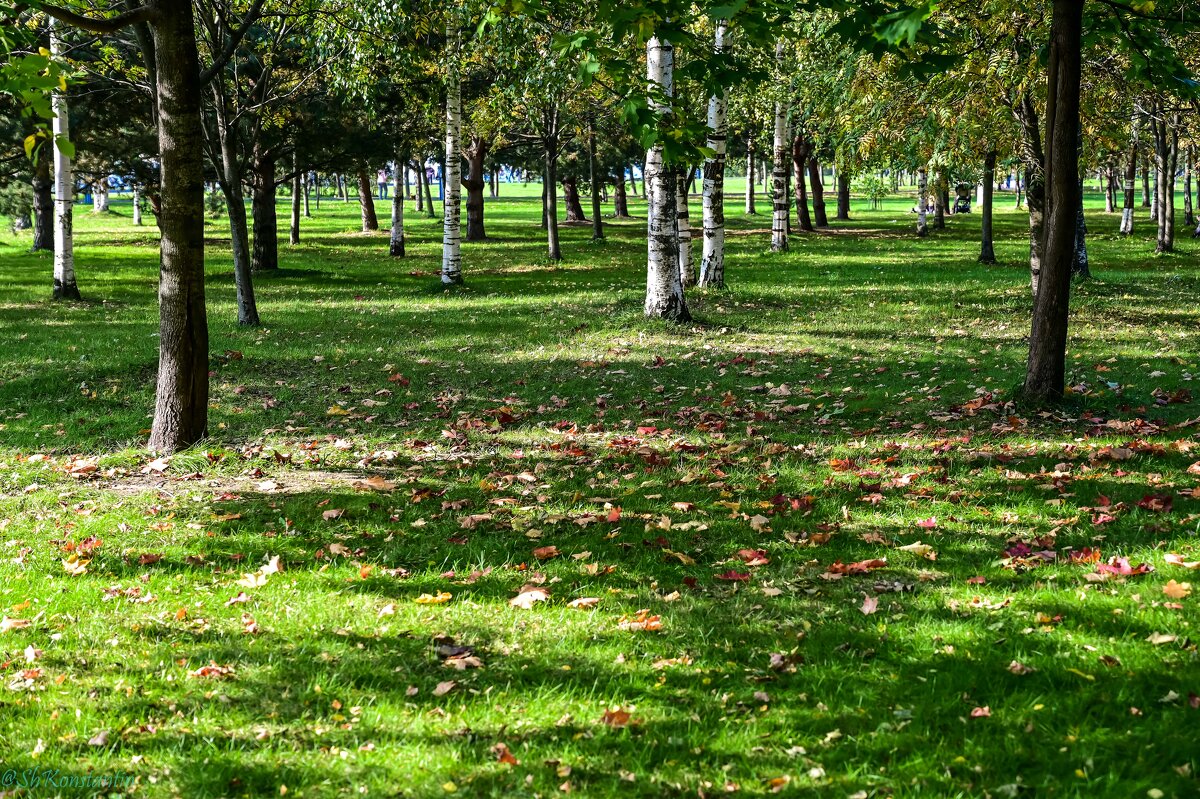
point(65, 287)
point(712, 261)
point(779, 215)
point(451, 220)
point(1130, 177)
point(922, 202)
point(664, 288)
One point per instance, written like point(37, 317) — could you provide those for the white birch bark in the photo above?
point(683, 229)
point(137, 206)
point(922, 202)
point(396, 244)
point(452, 206)
point(779, 170)
point(712, 261)
point(664, 289)
point(1130, 175)
point(65, 287)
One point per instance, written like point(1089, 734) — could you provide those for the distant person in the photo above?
point(382, 179)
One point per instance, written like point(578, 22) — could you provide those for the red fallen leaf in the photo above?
point(1085, 555)
point(614, 515)
point(148, 558)
point(399, 378)
point(1157, 503)
point(503, 755)
point(733, 576)
point(546, 553)
point(753, 557)
point(616, 717)
point(976, 580)
point(929, 523)
point(1121, 566)
point(1193, 701)
point(690, 582)
point(981, 712)
point(213, 670)
point(1102, 518)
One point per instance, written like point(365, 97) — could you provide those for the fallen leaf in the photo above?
point(1177, 590)
point(917, 548)
point(1160, 638)
point(753, 557)
point(431, 599)
point(546, 553)
point(444, 687)
point(733, 576)
point(981, 712)
point(1178, 560)
point(7, 624)
point(373, 483)
point(99, 739)
point(584, 602)
point(642, 620)
point(616, 717)
point(528, 596)
point(870, 605)
point(213, 671)
point(503, 755)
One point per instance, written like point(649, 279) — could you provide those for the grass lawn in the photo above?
point(805, 545)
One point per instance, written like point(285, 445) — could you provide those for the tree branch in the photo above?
point(95, 25)
point(221, 60)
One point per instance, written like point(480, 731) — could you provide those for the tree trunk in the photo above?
point(429, 209)
point(620, 200)
point(230, 178)
point(550, 199)
point(475, 183)
point(800, 150)
point(633, 180)
point(987, 254)
point(1017, 189)
point(366, 200)
point(843, 197)
point(396, 237)
point(1079, 263)
point(420, 188)
point(1189, 218)
point(294, 228)
point(922, 202)
point(683, 230)
point(181, 407)
point(65, 287)
point(779, 214)
point(137, 206)
point(571, 199)
point(594, 181)
point(750, 176)
point(664, 289)
point(316, 187)
point(1110, 188)
point(712, 256)
point(939, 199)
point(1130, 177)
point(304, 187)
point(1046, 370)
point(1145, 181)
point(452, 188)
point(265, 256)
point(818, 193)
point(43, 203)
point(1034, 158)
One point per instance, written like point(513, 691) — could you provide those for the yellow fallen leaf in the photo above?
point(337, 410)
point(430, 599)
point(75, 565)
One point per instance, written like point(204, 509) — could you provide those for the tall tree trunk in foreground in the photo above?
point(65, 287)
point(818, 193)
point(43, 202)
point(922, 202)
point(1046, 370)
point(750, 209)
point(594, 182)
point(987, 254)
point(800, 150)
point(396, 237)
point(366, 200)
point(683, 230)
point(451, 206)
point(664, 289)
point(474, 183)
point(265, 255)
point(712, 255)
point(1130, 178)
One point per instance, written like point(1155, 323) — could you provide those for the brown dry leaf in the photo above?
point(616, 717)
point(528, 596)
point(333, 513)
point(1177, 560)
point(503, 755)
point(870, 605)
point(7, 624)
point(760, 524)
point(213, 670)
point(149, 558)
point(1177, 590)
point(1160, 638)
point(373, 483)
point(584, 603)
point(642, 620)
point(546, 553)
point(444, 687)
point(388, 610)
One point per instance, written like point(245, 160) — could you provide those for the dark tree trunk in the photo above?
point(1110, 188)
point(1046, 370)
point(1034, 158)
point(474, 183)
point(297, 185)
point(633, 182)
point(230, 178)
point(420, 188)
point(1130, 179)
point(843, 197)
point(43, 204)
point(593, 180)
point(181, 406)
point(1146, 181)
point(265, 256)
point(987, 254)
point(367, 202)
point(620, 201)
point(818, 193)
point(571, 200)
point(550, 201)
point(429, 210)
point(800, 150)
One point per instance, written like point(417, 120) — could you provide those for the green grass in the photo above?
point(532, 404)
